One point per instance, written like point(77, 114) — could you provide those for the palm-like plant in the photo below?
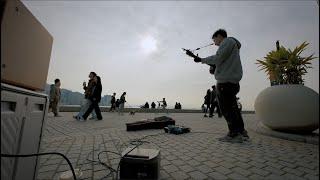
point(285, 66)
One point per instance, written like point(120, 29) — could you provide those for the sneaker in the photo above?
point(245, 135)
point(205, 115)
point(211, 116)
point(58, 115)
point(234, 139)
point(80, 118)
point(92, 118)
point(98, 119)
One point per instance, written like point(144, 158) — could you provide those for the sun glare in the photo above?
point(148, 44)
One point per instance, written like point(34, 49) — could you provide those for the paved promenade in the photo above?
point(196, 155)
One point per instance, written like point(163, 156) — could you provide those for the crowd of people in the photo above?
point(161, 104)
point(177, 105)
point(92, 97)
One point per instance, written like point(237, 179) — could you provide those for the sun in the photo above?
point(148, 44)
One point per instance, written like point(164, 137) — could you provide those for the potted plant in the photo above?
point(287, 105)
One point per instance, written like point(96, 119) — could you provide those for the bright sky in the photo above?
point(135, 46)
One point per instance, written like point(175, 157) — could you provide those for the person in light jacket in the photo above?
point(228, 73)
point(55, 94)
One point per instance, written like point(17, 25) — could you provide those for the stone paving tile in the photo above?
point(197, 175)
point(193, 162)
point(204, 168)
point(261, 172)
point(227, 164)
point(292, 177)
point(311, 177)
point(274, 170)
point(187, 156)
point(48, 168)
point(308, 171)
point(54, 161)
point(236, 176)
point(178, 162)
point(222, 170)
point(293, 171)
point(100, 174)
point(243, 165)
point(179, 175)
point(217, 175)
point(286, 164)
point(186, 168)
point(274, 177)
point(87, 174)
point(164, 162)
point(45, 175)
point(170, 158)
point(242, 171)
point(63, 168)
point(211, 164)
point(164, 175)
point(256, 177)
point(274, 165)
point(170, 168)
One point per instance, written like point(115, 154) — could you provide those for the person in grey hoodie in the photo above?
point(227, 69)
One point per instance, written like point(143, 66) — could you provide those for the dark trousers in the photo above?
point(207, 108)
point(94, 105)
point(113, 107)
point(215, 105)
point(226, 93)
point(53, 105)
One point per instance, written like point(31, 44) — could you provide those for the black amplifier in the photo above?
point(140, 164)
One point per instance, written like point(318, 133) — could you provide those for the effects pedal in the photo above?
point(173, 129)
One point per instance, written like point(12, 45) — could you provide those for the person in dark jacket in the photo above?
point(214, 103)
point(146, 105)
point(117, 104)
point(86, 103)
point(176, 106)
point(95, 98)
point(153, 105)
point(122, 101)
point(207, 102)
point(113, 102)
point(164, 103)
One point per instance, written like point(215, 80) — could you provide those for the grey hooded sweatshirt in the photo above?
point(227, 61)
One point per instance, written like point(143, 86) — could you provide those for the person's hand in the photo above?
point(189, 53)
point(197, 59)
point(212, 69)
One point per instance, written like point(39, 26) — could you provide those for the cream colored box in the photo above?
point(25, 47)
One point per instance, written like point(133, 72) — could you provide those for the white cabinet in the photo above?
point(23, 114)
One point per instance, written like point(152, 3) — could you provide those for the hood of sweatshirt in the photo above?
point(238, 43)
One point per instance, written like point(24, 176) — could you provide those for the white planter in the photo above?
point(292, 108)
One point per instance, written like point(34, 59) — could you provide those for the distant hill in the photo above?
point(74, 98)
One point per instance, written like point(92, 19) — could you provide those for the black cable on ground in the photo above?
point(41, 154)
point(112, 170)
